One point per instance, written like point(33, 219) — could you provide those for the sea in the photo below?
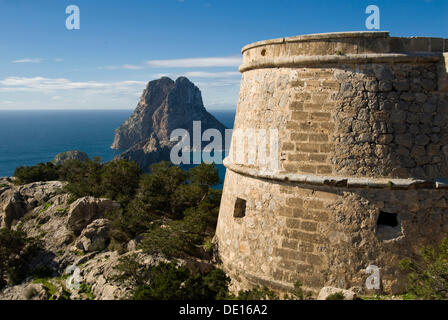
point(31, 137)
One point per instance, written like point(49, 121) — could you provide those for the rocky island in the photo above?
point(164, 106)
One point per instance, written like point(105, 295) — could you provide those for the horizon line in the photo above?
point(100, 109)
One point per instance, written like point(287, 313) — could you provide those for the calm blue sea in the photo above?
point(30, 137)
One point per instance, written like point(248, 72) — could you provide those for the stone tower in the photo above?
point(356, 166)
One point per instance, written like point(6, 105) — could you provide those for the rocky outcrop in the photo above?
point(60, 158)
point(95, 236)
point(73, 237)
point(99, 271)
point(15, 201)
point(164, 106)
point(12, 207)
point(85, 210)
point(38, 193)
point(26, 291)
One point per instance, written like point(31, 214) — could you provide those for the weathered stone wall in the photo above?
point(359, 116)
point(376, 120)
point(323, 235)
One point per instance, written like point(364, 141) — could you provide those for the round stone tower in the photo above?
point(338, 160)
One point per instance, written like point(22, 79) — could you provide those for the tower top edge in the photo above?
point(406, 43)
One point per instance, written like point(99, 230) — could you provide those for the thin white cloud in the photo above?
point(125, 66)
point(28, 60)
point(50, 93)
point(45, 85)
point(36, 60)
point(196, 62)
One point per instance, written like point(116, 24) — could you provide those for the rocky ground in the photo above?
point(75, 239)
point(75, 236)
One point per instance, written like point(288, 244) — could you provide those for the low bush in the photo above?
point(428, 275)
point(169, 281)
point(41, 172)
point(15, 251)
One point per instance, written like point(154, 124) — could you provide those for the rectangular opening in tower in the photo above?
point(240, 208)
point(388, 226)
point(387, 219)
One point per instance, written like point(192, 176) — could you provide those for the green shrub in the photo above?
point(62, 211)
point(15, 251)
point(156, 190)
point(52, 289)
point(116, 180)
point(183, 237)
point(171, 199)
point(119, 180)
point(41, 172)
point(49, 287)
point(298, 293)
point(130, 272)
point(336, 296)
point(428, 276)
point(45, 207)
point(176, 239)
point(86, 290)
point(176, 209)
point(83, 177)
point(204, 175)
point(168, 281)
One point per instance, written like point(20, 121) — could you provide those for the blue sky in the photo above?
point(122, 45)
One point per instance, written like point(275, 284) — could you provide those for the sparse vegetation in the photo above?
point(45, 207)
point(173, 211)
point(15, 251)
point(298, 293)
point(41, 172)
point(86, 290)
point(51, 286)
point(336, 296)
point(62, 210)
point(428, 275)
point(115, 180)
point(257, 293)
point(169, 281)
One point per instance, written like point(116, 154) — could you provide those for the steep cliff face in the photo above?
point(164, 106)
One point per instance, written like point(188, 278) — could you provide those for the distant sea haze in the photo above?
point(30, 137)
